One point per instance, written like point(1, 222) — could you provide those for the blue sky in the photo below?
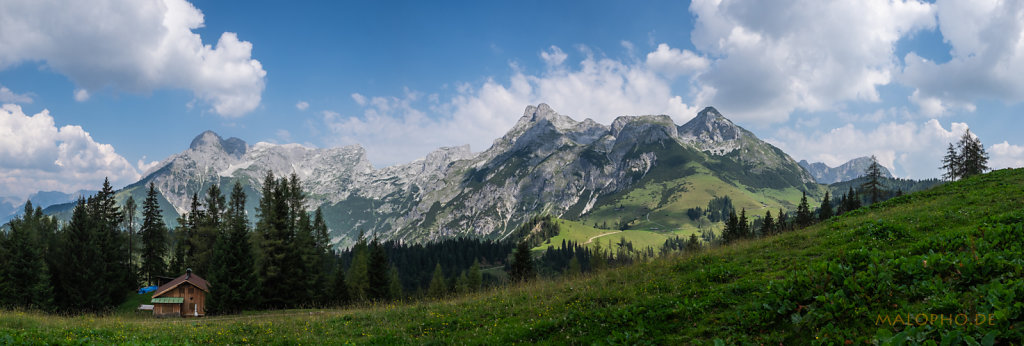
point(110, 88)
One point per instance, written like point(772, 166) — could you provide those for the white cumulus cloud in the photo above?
point(674, 62)
point(302, 105)
point(768, 62)
point(1006, 155)
point(987, 40)
point(37, 155)
point(908, 149)
point(8, 96)
point(132, 45)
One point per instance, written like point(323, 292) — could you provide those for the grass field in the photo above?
point(589, 236)
point(951, 251)
point(663, 205)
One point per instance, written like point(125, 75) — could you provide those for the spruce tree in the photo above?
point(154, 238)
point(27, 275)
point(874, 184)
point(339, 288)
point(395, 283)
point(952, 163)
point(573, 268)
point(377, 273)
point(276, 246)
point(973, 158)
point(476, 277)
point(233, 277)
point(743, 227)
point(731, 232)
point(768, 225)
point(114, 271)
point(522, 263)
point(803, 212)
point(357, 279)
point(130, 209)
point(80, 263)
point(438, 286)
point(322, 259)
point(781, 224)
point(825, 211)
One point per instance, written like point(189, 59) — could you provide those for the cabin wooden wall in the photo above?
point(194, 297)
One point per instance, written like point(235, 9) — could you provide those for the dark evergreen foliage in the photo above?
point(825, 211)
point(804, 217)
point(874, 176)
point(154, 238)
point(966, 159)
point(522, 268)
point(233, 276)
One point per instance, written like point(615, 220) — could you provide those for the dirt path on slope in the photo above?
point(591, 240)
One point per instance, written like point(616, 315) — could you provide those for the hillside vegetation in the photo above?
point(941, 265)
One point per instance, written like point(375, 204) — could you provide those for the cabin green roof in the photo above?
point(168, 300)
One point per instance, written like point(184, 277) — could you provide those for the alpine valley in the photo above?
point(639, 172)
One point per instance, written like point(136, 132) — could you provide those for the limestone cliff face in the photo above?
point(547, 163)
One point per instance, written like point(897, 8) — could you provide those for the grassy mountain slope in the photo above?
point(954, 249)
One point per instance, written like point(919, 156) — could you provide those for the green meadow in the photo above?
point(941, 266)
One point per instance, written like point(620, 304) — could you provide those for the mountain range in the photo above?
point(850, 170)
point(638, 171)
point(11, 208)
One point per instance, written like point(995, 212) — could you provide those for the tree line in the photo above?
point(284, 260)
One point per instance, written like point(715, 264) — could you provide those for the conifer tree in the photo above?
point(233, 277)
point(357, 279)
point(322, 259)
point(277, 259)
point(154, 238)
point(130, 208)
point(462, 283)
point(731, 232)
point(377, 273)
point(874, 184)
point(522, 263)
point(79, 265)
point(395, 282)
point(573, 268)
point(26, 275)
point(208, 227)
point(743, 227)
point(438, 286)
point(339, 288)
point(781, 224)
point(825, 211)
point(973, 158)
point(693, 244)
point(803, 212)
point(952, 163)
point(768, 225)
point(114, 270)
point(475, 276)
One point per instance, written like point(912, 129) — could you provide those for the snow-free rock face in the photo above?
point(849, 170)
point(547, 163)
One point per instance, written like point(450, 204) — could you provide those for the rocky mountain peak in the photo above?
point(850, 170)
point(206, 139)
point(543, 113)
point(211, 140)
point(711, 127)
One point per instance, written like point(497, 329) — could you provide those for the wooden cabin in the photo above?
point(185, 296)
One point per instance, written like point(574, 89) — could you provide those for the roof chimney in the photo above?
point(188, 273)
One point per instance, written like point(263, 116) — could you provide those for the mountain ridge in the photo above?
point(546, 163)
point(849, 170)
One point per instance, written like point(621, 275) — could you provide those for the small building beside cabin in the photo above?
point(185, 296)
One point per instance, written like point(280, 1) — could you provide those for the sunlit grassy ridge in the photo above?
point(955, 249)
